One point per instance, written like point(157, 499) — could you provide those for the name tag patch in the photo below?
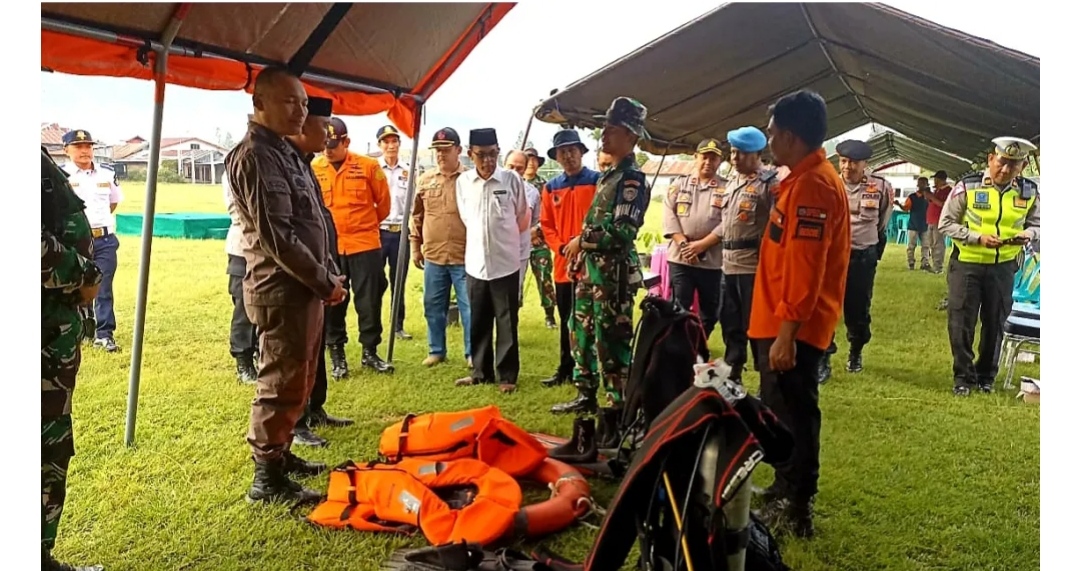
point(1020, 202)
point(809, 230)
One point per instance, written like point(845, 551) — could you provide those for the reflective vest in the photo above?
point(989, 211)
point(481, 433)
point(459, 500)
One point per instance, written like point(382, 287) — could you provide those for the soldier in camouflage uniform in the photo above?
point(69, 283)
point(540, 257)
point(608, 273)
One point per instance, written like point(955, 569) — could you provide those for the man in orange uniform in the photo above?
point(564, 200)
point(355, 190)
point(798, 297)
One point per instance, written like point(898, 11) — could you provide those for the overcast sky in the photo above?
point(115, 109)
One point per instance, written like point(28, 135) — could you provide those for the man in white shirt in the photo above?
point(97, 186)
point(397, 176)
point(493, 205)
point(243, 340)
point(518, 161)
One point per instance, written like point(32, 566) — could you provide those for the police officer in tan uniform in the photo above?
point(290, 276)
point(745, 208)
point(870, 200)
point(691, 224)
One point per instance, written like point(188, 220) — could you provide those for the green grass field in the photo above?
point(912, 478)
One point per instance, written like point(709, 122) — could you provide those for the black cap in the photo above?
point(483, 138)
point(942, 175)
point(335, 132)
point(854, 150)
point(320, 106)
point(711, 146)
point(445, 137)
point(386, 131)
point(76, 136)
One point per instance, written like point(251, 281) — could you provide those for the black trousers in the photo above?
point(494, 331)
point(391, 241)
point(243, 339)
point(978, 291)
point(708, 284)
point(564, 299)
point(319, 388)
point(365, 278)
point(735, 319)
point(793, 397)
point(862, 269)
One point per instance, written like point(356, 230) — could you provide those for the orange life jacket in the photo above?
point(480, 433)
point(453, 501)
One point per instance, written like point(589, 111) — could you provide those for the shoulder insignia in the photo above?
point(1027, 187)
point(975, 180)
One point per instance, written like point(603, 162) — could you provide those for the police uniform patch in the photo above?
point(682, 209)
point(630, 182)
point(629, 193)
point(982, 200)
point(1019, 202)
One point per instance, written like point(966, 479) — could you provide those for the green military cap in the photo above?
point(710, 146)
point(627, 112)
point(1013, 148)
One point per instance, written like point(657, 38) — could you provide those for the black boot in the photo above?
point(555, 380)
point(581, 448)
point(608, 435)
point(271, 484)
point(768, 495)
point(736, 374)
point(50, 564)
point(295, 465)
point(319, 417)
point(854, 361)
point(304, 436)
point(339, 367)
point(786, 516)
point(585, 402)
point(245, 370)
point(372, 360)
point(824, 369)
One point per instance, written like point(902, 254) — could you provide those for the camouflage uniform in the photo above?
point(540, 262)
point(608, 271)
point(66, 266)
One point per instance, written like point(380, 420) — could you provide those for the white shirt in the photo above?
point(532, 197)
point(495, 213)
point(96, 187)
point(234, 239)
point(397, 178)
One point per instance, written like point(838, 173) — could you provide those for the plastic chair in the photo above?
point(1022, 332)
point(1026, 285)
point(901, 230)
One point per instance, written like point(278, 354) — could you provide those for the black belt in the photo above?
point(99, 232)
point(744, 244)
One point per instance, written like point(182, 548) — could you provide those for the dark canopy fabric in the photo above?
point(405, 51)
point(870, 62)
point(890, 147)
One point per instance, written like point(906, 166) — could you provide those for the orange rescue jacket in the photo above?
point(450, 502)
point(564, 202)
point(358, 197)
point(480, 433)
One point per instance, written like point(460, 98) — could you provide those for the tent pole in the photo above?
point(401, 271)
point(161, 64)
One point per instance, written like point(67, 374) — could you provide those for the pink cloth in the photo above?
point(660, 266)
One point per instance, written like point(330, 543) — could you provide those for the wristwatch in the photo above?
point(91, 274)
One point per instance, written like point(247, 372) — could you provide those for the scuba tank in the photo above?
point(736, 498)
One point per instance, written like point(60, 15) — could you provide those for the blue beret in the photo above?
point(854, 150)
point(747, 139)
